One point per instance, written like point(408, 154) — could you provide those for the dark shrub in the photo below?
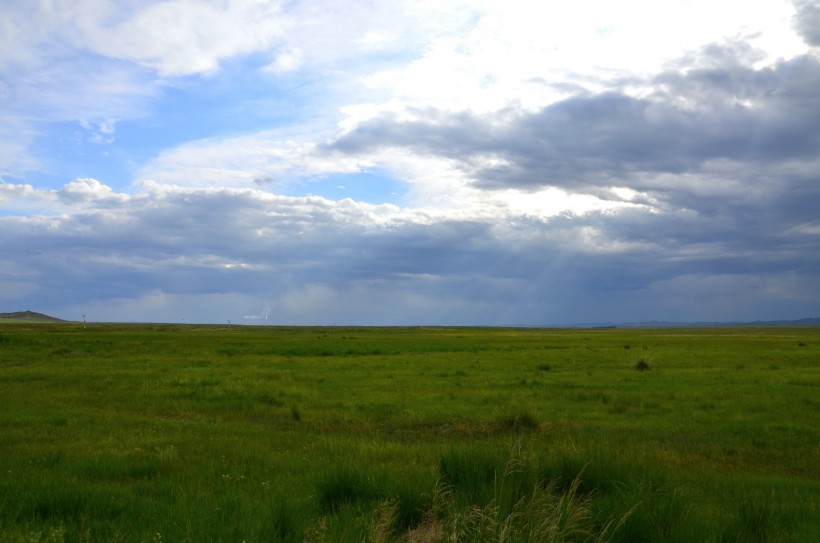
point(642, 364)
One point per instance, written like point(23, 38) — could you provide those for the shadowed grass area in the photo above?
point(191, 433)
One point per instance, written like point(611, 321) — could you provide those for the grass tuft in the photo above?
point(482, 498)
point(522, 422)
point(288, 525)
point(346, 486)
point(642, 364)
point(295, 414)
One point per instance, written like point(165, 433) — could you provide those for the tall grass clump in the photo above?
point(287, 523)
point(540, 515)
point(480, 496)
point(649, 505)
point(755, 519)
point(471, 471)
point(488, 498)
point(346, 486)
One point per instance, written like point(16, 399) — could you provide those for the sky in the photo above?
point(410, 162)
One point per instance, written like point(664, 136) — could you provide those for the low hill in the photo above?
point(30, 316)
point(726, 324)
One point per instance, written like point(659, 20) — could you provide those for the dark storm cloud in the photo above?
point(807, 20)
point(726, 154)
point(720, 110)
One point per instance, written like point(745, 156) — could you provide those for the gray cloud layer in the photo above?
point(162, 256)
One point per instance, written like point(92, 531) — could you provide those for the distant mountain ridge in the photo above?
point(32, 316)
point(812, 321)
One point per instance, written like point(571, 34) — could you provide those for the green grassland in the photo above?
point(148, 433)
